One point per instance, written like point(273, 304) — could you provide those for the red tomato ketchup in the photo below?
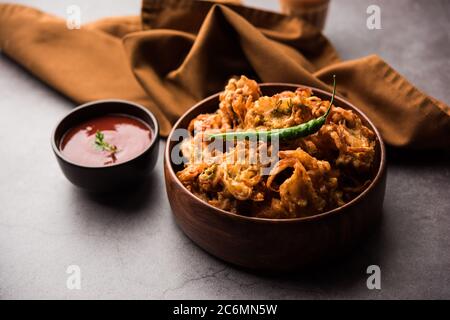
point(106, 140)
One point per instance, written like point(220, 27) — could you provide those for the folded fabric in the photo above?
point(182, 51)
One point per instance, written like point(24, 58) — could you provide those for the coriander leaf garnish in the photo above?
point(102, 144)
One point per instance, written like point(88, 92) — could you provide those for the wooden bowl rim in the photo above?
point(374, 182)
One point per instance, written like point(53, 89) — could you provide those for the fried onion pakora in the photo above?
point(309, 175)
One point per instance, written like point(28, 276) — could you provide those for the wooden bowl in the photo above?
point(274, 245)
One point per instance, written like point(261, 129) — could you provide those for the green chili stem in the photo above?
point(298, 131)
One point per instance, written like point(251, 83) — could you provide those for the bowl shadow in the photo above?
point(129, 202)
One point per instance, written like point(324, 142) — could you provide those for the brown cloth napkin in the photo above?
point(182, 51)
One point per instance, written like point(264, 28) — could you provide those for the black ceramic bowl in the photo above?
point(113, 177)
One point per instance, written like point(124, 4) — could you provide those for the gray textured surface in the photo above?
point(130, 247)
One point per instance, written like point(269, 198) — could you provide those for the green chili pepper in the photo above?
point(299, 131)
